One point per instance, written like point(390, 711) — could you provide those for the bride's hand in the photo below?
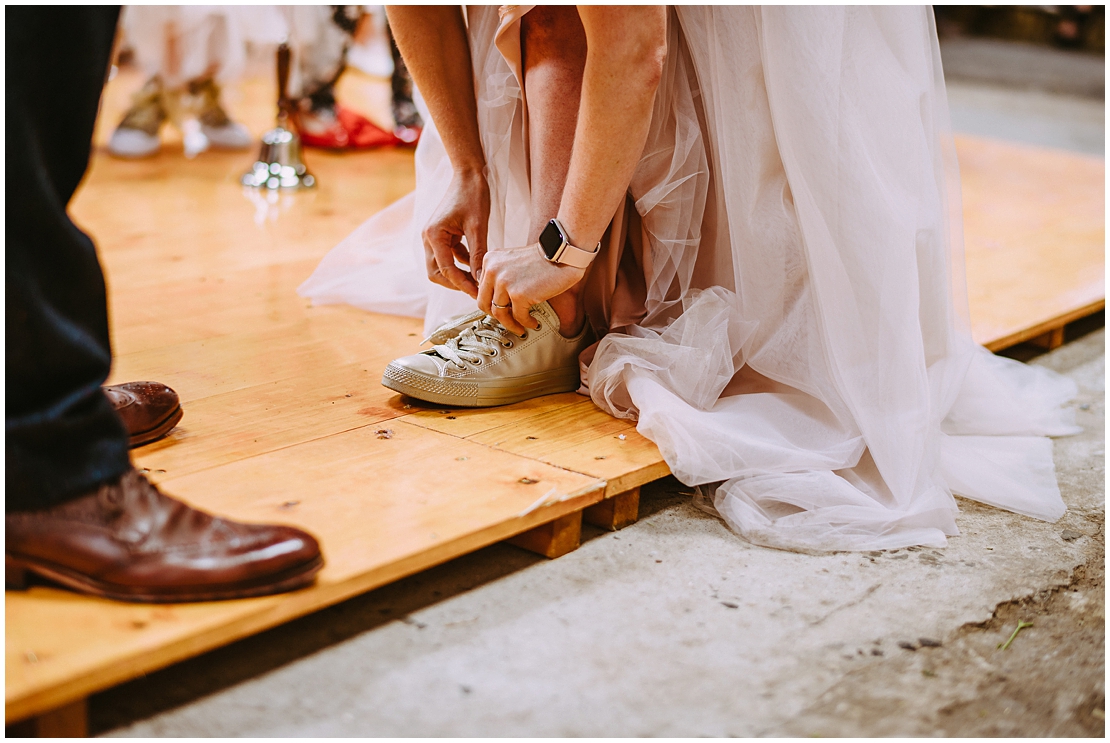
point(464, 211)
point(518, 278)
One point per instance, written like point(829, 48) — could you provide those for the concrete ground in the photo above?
point(1024, 67)
point(1036, 117)
point(676, 627)
point(1025, 93)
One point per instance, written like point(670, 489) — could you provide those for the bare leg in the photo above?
point(553, 46)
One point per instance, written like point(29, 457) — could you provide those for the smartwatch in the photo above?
point(557, 248)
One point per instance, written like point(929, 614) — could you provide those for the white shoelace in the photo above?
point(449, 329)
point(480, 340)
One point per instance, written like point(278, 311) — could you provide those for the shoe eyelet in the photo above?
point(524, 336)
point(477, 363)
point(507, 344)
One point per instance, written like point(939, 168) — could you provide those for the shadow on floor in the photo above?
point(1026, 352)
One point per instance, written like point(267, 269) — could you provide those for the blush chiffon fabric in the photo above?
point(781, 301)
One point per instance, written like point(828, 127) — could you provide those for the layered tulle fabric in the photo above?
point(783, 292)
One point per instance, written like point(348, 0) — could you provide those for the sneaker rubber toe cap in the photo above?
point(133, 143)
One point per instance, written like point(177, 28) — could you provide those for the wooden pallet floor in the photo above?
point(286, 420)
point(1035, 240)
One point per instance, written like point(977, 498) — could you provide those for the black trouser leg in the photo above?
point(63, 437)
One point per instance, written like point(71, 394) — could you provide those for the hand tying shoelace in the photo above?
point(480, 340)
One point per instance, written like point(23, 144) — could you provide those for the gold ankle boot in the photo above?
point(137, 134)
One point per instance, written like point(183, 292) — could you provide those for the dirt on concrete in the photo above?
point(1047, 683)
point(1050, 680)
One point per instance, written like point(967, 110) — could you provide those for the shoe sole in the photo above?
point(485, 394)
point(159, 430)
point(16, 570)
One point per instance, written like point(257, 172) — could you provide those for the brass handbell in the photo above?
point(280, 163)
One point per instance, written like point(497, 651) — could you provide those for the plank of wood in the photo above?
point(165, 239)
point(166, 218)
point(1050, 340)
point(384, 506)
point(566, 430)
point(241, 399)
point(623, 463)
point(555, 429)
point(615, 513)
point(69, 721)
point(1034, 232)
point(580, 437)
point(1040, 329)
point(466, 422)
point(553, 539)
point(224, 428)
point(332, 340)
point(151, 316)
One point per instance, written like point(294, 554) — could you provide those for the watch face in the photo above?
point(551, 239)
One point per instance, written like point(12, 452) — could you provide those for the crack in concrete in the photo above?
point(850, 604)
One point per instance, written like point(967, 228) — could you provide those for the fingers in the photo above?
point(490, 295)
point(433, 272)
point(497, 283)
point(460, 253)
point(476, 239)
point(441, 244)
point(505, 316)
point(438, 278)
point(485, 293)
point(501, 307)
point(520, 314)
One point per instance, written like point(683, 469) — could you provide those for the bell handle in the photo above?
point(283, 54)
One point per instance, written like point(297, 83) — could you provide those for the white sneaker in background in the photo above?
point(133, 143)
point(230, 136)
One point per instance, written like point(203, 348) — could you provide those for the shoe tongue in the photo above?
point(471, 338)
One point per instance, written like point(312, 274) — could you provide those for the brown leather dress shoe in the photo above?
point(129, 541)
point(150, 410)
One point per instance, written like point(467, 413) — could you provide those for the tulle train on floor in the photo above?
point(783, 292)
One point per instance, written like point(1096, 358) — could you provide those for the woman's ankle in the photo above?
point(569, 311)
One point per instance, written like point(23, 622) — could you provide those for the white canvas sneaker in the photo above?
point(486, 365)
point(133, 143)
point(230, 136)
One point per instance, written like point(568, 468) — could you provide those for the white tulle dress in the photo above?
point(782, 296)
